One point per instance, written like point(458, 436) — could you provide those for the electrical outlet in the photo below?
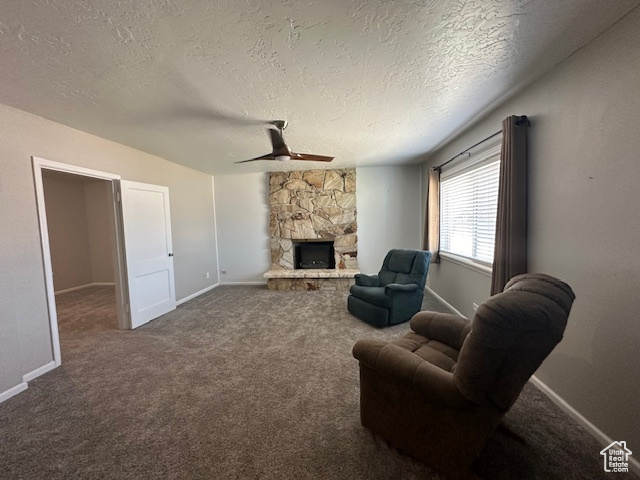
point(475, 306)
point(206, 275)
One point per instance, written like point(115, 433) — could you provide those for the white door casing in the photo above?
point(40, 164)
point(146, 219)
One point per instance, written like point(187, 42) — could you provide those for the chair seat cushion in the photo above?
point(373, 295)
point(433, 351)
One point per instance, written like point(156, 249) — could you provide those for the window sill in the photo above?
point(465, 262)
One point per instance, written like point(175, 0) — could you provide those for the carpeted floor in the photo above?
point(239, 383)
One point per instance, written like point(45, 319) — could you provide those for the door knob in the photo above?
point(171, 254)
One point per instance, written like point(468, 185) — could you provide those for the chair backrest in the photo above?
point(405, 266)
point(510, 336)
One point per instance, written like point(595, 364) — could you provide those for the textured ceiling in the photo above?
point(369, 82)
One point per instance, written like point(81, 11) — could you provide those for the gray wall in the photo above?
point(25, 342)
point(242, 217)
point(79, 230)
point(100, 227)
point(388, 201)
point(584, 226)
point(68, 232)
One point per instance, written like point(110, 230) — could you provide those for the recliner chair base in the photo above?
point(371, 314)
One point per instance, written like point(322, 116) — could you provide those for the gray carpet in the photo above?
point(239, 383)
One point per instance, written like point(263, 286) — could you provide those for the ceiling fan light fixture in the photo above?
point(283, 158)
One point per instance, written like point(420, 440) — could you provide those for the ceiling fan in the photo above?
point(281, 152)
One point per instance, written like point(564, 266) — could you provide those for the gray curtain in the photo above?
point(432, 222)
point(510, 255)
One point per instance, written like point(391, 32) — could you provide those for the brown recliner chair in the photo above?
point(439, 391)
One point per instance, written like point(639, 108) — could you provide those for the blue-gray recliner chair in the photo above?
point(396, 293)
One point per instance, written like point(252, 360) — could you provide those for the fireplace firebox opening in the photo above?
point(314, 254)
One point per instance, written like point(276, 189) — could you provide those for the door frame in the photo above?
point(120, 278)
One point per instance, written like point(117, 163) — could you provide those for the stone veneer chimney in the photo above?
point(311, 205)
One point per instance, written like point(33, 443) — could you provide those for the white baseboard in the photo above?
point(447, 304)
point(7, 394)
point(87, 285)
point(243, 283)
point(197, 294)
point(598, 434)
point(27, 377)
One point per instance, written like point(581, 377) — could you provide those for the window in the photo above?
point(468, 206)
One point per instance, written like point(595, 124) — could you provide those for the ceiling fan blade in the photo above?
point(311, 157)
point(268, 156)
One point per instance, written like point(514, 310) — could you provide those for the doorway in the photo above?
point(111, 228)
point(139, 223)
point(81, 232)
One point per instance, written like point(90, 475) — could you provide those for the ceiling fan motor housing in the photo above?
point(280, 124)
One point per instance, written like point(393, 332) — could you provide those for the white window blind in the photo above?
point(468, 206)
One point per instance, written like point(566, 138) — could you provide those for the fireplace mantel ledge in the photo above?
point(313, 273)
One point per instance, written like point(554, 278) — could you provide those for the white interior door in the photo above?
point(146, 222)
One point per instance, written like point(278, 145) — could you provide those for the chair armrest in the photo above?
point(403, 366)
point(367, 280)
point(392, 289)
point(443, 327)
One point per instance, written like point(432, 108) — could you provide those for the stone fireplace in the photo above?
point(313, 210)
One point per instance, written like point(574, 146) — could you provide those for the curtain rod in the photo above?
point(522, 119)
